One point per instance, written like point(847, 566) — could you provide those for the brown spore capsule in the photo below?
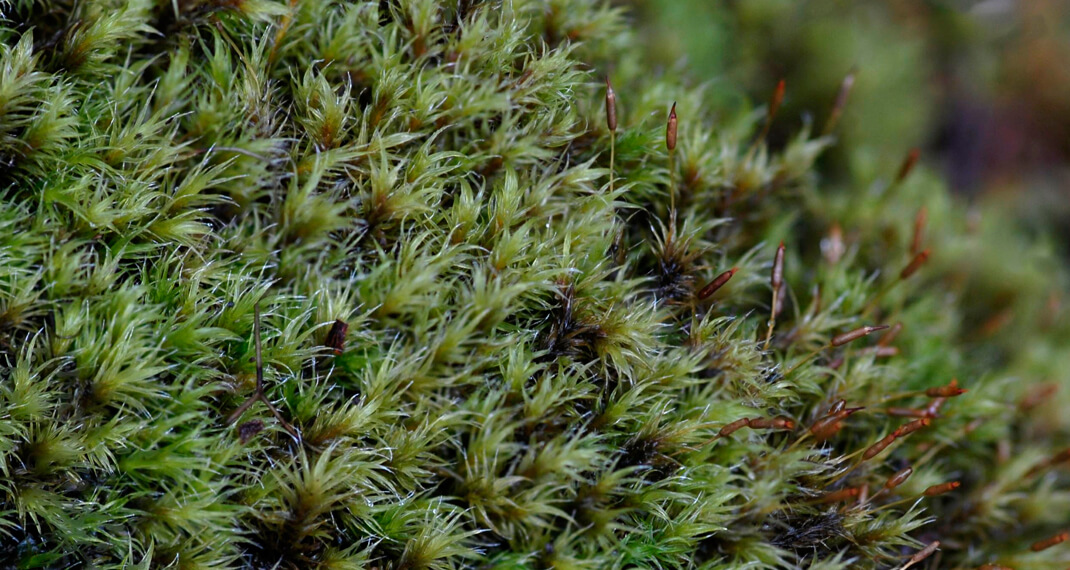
point(973, 425)
point(1060, 457)
point(934, 407)
point(778, 422)
point(845, 90)
point(776, 99)
point(618, 249)
point(831, 424)
point(832, 246)
point(1051, 309)
point(782, 294)
point(907, 413)
point(1003, 451)
point(879, 446)
point(611, 107)
point(826, 427)
point(908, 165)
point(841, 102)
point(995, 323)
point(890, 336)
point(670, 129)
point(730, 428)
point(1037, 396)
point(776, 279)
point(914, 264)
point(336, 336)
point(1050, 542)
point(840, 496)
point(919, 230)
point(716, 284)
point(911, 427)
point(949, 391)
point(881, 351)
point(899, 478)
point(842, 339)
point(941, 488)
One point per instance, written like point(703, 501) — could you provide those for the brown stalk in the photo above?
point(922, 554)
point(941, 488)
point(259, 395)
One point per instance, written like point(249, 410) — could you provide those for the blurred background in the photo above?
point(981, 87)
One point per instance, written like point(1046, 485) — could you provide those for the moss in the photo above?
point(525, 376)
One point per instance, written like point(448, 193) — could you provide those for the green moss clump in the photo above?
point(529, 379)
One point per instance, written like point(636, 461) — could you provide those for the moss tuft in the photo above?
point(491, 356)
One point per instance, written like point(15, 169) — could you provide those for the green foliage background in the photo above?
point(528, 379)
point(979, 86)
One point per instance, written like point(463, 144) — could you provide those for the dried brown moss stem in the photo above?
point(774, 105)
point(840, 104)
point(838, 340)
point(259, 394)
point(922, 554)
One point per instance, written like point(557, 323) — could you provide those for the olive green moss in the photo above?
point(529, 379)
